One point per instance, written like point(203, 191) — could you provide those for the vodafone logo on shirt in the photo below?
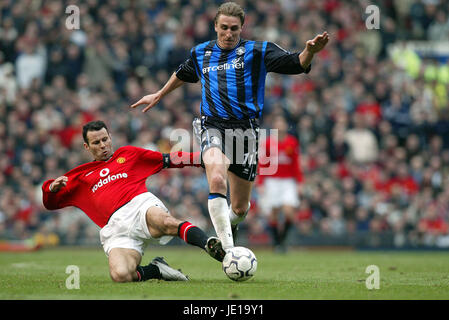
point(104, 173)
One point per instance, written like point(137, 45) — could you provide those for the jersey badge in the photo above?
point(240, 51)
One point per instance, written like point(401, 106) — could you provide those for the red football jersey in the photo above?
point(99, 188)
point(287, 155)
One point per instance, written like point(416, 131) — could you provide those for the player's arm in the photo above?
point(182, 159)
point(152, 99)
point(312, 47)
point(282, 61)
point(186, 72)
point(58, 184)
point(54, 192)
point(149, 162)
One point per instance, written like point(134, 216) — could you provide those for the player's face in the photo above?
point(228, 30)
point(99, 144)
point(280, 124)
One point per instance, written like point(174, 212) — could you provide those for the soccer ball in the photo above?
point(239, 264)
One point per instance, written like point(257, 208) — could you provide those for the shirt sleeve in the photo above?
point(154, 161)
point(186, 71)
point(282, 61)
point(148, 162)
point(56, 200)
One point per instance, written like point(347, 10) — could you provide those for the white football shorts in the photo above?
point(279, 192)
point(127, 227)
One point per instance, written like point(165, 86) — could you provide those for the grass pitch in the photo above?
point(299, 274)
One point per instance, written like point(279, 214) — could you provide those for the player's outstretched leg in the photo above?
point(159, 269)
point(195, 236)
point(161, 223)
point(215, 249)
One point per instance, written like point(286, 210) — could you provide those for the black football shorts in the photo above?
point(237, 139)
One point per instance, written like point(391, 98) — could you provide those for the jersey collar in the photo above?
point(238, 44)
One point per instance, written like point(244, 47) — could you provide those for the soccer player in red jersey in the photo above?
point(280, 190)
point(111, 191)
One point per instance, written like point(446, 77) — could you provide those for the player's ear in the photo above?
point(86, 146)
point(216, 24)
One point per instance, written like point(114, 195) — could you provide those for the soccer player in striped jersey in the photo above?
point(111, 190)
point(232, 74)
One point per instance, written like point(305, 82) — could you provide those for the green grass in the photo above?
point(299, 274)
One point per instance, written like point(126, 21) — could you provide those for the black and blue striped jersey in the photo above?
point(233, 81)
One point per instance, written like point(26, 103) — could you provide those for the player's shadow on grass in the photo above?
point(228, 281)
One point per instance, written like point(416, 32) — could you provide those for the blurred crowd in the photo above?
point(373, 125)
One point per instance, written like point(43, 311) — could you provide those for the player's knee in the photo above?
point(240, 210)
point(217, 183)
point(289, 211)
point(170, 226)
point(120, 274)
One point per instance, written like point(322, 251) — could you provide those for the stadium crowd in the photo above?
point(373, 126)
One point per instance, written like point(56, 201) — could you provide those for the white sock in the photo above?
point(236, 219)
point(218, 211)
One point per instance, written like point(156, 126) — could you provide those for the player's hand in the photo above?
point(318, 43)
point(58, 184)
point(150, 100)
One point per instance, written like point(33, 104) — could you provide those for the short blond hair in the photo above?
point(230, 9)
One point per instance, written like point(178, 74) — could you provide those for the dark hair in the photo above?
point(93, 126)
point(231, 9)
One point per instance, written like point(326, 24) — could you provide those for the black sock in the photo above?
point(192, 234)
point(148, 272)
point(273, 226)
point(287, 226)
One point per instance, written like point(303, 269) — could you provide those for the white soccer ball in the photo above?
point(239, 263)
